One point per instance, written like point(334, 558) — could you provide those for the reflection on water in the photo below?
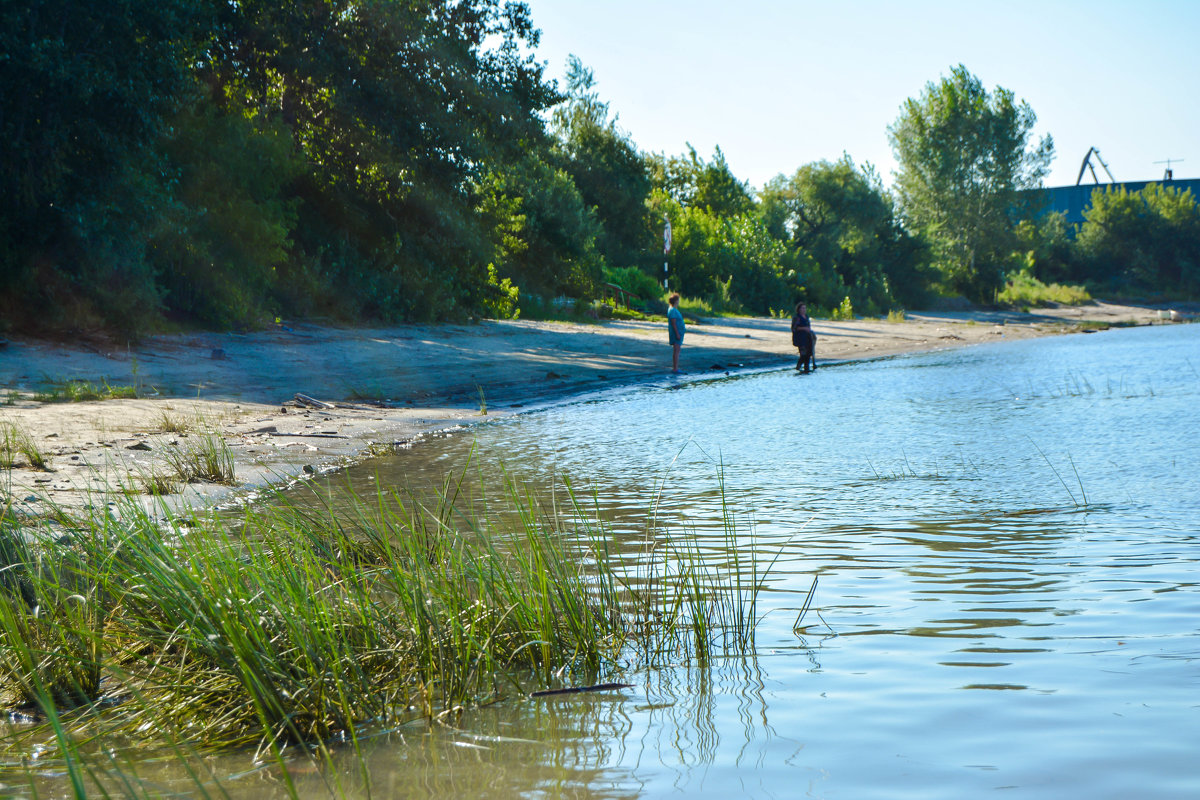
point(1008, 561)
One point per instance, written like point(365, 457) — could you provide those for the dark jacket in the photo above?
point(802, 335)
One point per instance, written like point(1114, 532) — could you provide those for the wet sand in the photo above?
point(381, 387)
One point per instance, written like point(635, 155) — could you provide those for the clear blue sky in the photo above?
point(779, 84)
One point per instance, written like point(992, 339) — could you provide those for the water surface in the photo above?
point(1007, 548)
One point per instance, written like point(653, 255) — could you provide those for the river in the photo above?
point(1008, 559)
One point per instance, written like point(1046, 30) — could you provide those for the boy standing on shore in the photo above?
point(676, 329)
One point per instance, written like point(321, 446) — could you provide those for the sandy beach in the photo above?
point(304, 399)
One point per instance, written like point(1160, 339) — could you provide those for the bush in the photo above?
point(635, 281)
point(1022, 289)
point(844, 311)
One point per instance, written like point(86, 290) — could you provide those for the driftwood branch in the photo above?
point(312, 402)
point(600, 687)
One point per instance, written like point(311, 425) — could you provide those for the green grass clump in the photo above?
point(75, 391)
point(1023, 290)
point(301, 625)
point(207, 458)
point(16, 442)
point(171, 423)
point(157, 484)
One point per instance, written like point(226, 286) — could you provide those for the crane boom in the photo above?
point(1087, 165)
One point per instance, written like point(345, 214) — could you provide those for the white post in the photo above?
point(666, 247)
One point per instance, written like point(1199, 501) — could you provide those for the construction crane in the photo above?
point(1087, 164)
point(1170, 173)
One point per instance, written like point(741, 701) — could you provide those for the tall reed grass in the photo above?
point(301, 625)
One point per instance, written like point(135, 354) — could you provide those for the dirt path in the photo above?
point(384, 386)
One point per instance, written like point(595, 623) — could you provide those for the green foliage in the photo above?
point(841, 218)
point(230, 229)
point(733, 263)
point(843, 311)
point(207, 457)
point(15, 441)
point(88, 90)
point(395, 108)
point(77, 391)
point(221, 164)
point(691, 181)
point(1023, 290)
point(605, 166)
point(503, 302)
point(546, 237)
point(327, 160)
point(964, 156)
point(1142, 241)
point(304, 624)
point(1048, 248)
point(635, 281)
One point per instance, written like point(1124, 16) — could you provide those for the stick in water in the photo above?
point(600, 687)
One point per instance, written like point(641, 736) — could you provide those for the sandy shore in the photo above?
point(385, 386)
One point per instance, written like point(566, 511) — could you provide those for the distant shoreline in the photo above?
point(385, 386)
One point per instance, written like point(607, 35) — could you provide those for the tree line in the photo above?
point(219, 163)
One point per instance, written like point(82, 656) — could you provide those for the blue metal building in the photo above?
point(1074, 200)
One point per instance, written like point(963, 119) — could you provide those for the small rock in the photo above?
point(218, 354)
point(310, 469)
point(138, 446)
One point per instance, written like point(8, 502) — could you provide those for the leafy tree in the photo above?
point(606, 167)
point(330, 159)
point(692, 181)
point(965, 155)
point(399, 110)
point(229, 229)
point(547, 236)
point(1048, 247)
point(733, 263)
point(1142, 241)
point(843, 219)
point(88, 89)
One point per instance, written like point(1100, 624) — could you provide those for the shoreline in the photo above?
point(379, 388)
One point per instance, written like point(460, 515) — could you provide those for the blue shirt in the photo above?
point(675, 325)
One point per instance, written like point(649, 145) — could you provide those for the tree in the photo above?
point(86, 91)
point(842, 217)
point(606, 167)
point(964, 156)
point(400, 110)
point(731, 262)
point(710, 185)
point(1048, 247)
point(547, 235)
point(1142, 241)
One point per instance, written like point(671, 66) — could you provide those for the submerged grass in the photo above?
point(301, 625)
